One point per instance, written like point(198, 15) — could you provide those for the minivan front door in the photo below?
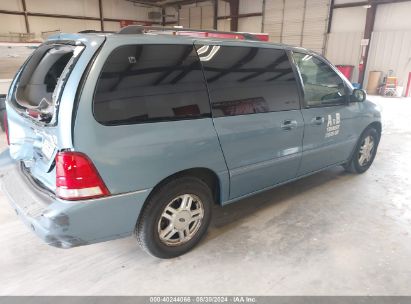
point(329, 135)
point(256, 113)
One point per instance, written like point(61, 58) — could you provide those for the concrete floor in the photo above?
point(329, 234)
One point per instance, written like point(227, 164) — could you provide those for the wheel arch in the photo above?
point(376, 125)
point(207, 175)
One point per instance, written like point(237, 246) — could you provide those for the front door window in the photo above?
point(322, 85)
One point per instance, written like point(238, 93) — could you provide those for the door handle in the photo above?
point(318, 120)
point(289, 124)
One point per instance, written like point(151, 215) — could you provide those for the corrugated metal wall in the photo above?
point(184, 17)
point(344, 41)
point(273, 19)
point(390, 47)
point(315, 24)
point(223, 10)
point(294, 11)
point(197, 16)
point(390, 50)
point(393, 17)
point(250, 24)
point(172, 15)
point(115, 9)
point(297, 22)
point(345, 49)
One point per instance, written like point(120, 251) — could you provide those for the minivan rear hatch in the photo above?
point(34, 99)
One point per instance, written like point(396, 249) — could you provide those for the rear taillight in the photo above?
point(77, 178)
point(6, 127)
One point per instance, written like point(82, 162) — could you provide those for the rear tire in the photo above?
point(364, 152)
point(175, 217)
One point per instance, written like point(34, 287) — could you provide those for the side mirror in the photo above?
point(358, 95)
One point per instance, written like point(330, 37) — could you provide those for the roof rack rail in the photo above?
point(95, 32)
point(140, 29)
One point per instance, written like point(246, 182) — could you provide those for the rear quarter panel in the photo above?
point(27, 137)
point(64, 129)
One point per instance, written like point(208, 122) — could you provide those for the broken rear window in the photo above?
point(42, 79)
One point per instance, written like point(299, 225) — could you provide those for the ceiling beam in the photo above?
point(147, 2)
point(330, 16)
point(369, 27)
point(352, 4)
point(26, 19)
point(215, 14)
point(163, 16)
point(234, 12)
point(369, 2)
point(100, 9)
point(48, 15)
point(183, 2)
point(20, 13)
point(240, 16)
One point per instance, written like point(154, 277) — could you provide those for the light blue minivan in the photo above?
point(114, 134)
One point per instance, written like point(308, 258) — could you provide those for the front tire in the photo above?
point(364, 152)
point(175, 217)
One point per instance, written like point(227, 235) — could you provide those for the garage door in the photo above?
point(200, 16)
point(297, 22)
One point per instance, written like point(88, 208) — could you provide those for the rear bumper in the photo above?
point(66, 224)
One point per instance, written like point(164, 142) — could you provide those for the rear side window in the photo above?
point(248, 80)
point(149, 83)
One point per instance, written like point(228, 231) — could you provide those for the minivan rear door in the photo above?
point(256, 113)
point(41, 99)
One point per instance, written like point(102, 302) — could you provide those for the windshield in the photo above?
point(42, 78)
